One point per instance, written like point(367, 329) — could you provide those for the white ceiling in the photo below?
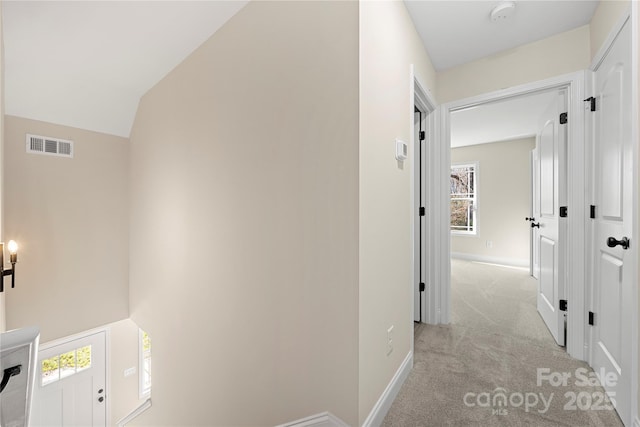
point(456, 32)
point(500, 121)
point(86, 64)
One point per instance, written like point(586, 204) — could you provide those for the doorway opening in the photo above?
point(508, 181)
point(574, 274)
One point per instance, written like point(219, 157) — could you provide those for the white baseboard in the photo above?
point(380, 409)
point(139, 410)
point(513, 262)
point(325, 419)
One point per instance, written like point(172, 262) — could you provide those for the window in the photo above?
point(145, 363)
point(63, 365)
point(464, 198)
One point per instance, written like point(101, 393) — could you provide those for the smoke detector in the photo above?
point(503, 11)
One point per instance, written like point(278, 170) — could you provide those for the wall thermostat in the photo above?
point(402, 150)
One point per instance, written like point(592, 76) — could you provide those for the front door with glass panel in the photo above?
point(70, 387)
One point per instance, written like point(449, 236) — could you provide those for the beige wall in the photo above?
point(564, 53)
point(503, 200)
point(244, 221)
point(70, 217)
point(605, 17)
point(123, 354)
point(388, 45)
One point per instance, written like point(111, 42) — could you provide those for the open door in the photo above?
point(614, 255)
point(550, 236)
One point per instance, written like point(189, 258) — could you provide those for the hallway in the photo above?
point(496, 364)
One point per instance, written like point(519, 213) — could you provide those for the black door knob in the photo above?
point(529, 219)
point(100, 399)
point(533, 224)
point(612, 242)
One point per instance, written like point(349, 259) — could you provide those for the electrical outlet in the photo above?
point(390, 340)
point(489, 244)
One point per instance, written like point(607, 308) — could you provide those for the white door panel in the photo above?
point(535, 213)
point(548, 152)
point(547, 272)
point(551, 164)
point(613, 193)
point(611, 128)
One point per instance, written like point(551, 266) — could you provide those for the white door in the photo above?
point(70, 384)
point(551, 149)
point(612, 260)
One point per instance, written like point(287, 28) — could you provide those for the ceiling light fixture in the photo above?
point(503, 11)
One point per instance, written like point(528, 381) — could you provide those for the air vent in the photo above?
point(37, 144)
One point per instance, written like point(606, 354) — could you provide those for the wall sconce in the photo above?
point(13, 258)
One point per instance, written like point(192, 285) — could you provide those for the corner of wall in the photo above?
point(604, 18)
point(2, 301)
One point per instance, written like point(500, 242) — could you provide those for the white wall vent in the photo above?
point(37, 144)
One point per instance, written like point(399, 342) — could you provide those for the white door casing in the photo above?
point(420, 163)
point(534, 263)
point(76, 398)
point(431, 270)
point(550, 235)
point(576, 223)
point(612, 298)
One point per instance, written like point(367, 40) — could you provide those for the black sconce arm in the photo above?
point(8, 373)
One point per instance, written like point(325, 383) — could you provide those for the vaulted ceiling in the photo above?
point(86, 64)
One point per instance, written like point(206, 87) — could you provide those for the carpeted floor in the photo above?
point(496, 364)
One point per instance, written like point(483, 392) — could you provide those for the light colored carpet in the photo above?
point(495, 346)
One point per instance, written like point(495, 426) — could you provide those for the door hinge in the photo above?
point(422, 211)
point(592, 318)
point(592, 212)
point(563, 211)
point(422, 287)
point(563, 305)
point(564, 118)
point(422, 135)
point(592, 100)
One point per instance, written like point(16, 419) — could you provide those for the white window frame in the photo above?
point(474, 231)
point(144, 391)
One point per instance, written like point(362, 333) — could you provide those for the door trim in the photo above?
point(574, 82)
point(106, 330)
point(421, 96)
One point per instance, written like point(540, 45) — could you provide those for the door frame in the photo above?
point(575, 276)
point(421, 97)
point(633, 16)
point(106, 330)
